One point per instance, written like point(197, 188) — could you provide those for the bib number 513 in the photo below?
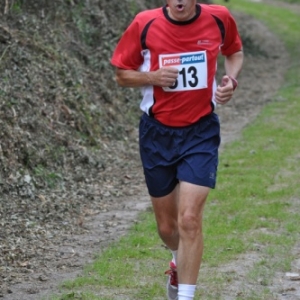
point(188, 77)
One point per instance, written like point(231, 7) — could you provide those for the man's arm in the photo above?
point(163, 77)
point(234, 63)
point(233, 66)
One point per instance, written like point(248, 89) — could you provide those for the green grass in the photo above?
point(290, 1)
point(254, 212)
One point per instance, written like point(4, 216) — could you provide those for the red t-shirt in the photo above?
point(154, 40)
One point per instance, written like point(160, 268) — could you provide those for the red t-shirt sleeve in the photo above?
point(232, 41)
point(128, 52)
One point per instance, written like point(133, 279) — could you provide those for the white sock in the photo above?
point(174, 253)
point(186, 291)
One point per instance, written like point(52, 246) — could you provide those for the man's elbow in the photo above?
point(120, 78)
point(240, 54)
point(237, 57)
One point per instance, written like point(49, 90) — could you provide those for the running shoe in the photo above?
point(172, 283)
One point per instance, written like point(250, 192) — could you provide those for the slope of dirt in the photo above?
point(70, 177)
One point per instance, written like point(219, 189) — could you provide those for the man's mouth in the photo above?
point(180, 7)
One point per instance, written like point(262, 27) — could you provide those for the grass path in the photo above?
point(271, 248)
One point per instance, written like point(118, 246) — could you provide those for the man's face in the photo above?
point(181, 10)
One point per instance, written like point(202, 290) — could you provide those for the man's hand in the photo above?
point(224, 91)
point(164, 77)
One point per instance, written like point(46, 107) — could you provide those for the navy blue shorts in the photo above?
point(173, 154)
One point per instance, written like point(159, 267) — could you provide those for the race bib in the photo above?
point(192, 67)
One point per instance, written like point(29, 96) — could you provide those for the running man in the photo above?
point(171, 54)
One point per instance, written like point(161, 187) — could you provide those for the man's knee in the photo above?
point(190, 225)
point(168, 228)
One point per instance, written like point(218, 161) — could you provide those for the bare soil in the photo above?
point(99, 206)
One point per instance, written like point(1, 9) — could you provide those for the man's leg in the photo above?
point(166, 215)
point(190, 211)
point(179, 223)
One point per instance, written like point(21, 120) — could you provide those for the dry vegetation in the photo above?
point(64, 126)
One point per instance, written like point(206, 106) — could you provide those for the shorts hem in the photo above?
point(206, 184)
point(162, 193)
